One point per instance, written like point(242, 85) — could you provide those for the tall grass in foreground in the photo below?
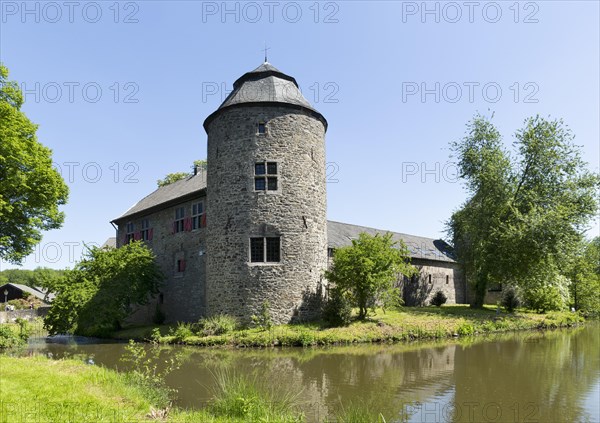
point(357, 412)
point(242, 397)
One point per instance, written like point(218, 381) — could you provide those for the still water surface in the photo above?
point(551, 376)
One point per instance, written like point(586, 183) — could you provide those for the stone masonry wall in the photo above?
point(434, 276)
point(236, 212)
point(183, 293)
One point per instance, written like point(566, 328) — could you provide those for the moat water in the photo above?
point(551, 376)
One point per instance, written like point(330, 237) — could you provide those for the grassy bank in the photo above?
point(411, 323)
point(36, 389)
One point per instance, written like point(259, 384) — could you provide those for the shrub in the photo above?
point(306, 338)
point(510, 299)
point(544, 298)
point(9, 338)
point(24, 328)
point(219, 324)
point(439, 298)
point(465, 329)
point(155, 336)
point(147, 373)
point(264, 320)
point(337, 311)
point(182, 331)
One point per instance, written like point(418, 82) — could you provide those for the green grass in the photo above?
point(411, 323)
point(36, 389)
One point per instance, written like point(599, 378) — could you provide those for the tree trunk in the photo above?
point(480, 291)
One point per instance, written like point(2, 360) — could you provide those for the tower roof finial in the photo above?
point(265, 50)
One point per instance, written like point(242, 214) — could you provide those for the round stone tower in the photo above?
point(266, 200)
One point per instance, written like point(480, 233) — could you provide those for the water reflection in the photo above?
point(537, 377)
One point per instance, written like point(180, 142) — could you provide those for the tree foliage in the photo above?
point(367, 270)
point(526, 211)
point(99, 293)
point(172, 177)
point(31, 190)
point(178, 176)
point(584, 273)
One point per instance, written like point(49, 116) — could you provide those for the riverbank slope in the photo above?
point(407, 324)
point(37, 389)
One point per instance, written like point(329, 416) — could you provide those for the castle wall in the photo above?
point(296, 213)
point(433, 276)
point(183, 292)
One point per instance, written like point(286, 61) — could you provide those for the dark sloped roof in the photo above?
point(36, 292)
point(265, 85)
point(342, 234)
point(174, 192)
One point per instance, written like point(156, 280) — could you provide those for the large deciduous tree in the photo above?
point(584, 274)
point(367, 270)
point(527, 210)
point(31, 190)
point(102, 290)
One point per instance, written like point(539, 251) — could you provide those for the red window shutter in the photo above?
point(183, 265)
point(137, 236)
point(150, 234)
point(188, 224)
point(203, 221)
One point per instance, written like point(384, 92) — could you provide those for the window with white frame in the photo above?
point(265, 176)
point(262, 128)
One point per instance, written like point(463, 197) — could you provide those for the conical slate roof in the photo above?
point(265, 85)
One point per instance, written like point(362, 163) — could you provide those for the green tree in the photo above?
point(527, 211)
point(172, 177)
point(178, 176)
point(367, 270)
point(31, 190)
point(584, 274)
point(100, 292)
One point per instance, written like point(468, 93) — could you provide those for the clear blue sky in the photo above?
point(364, 65)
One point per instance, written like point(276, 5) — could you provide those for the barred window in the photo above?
point(265, 250)
point(265, 176)
point(273, 249)
point(256, 250)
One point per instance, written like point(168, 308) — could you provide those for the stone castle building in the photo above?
point(252, 226)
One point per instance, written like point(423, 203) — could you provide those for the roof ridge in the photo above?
point(387, 230)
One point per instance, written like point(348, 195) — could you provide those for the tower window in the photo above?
point(262, 128)
point(265, 249)
point(447, 279)
point(256, 249)
point(265, 176)
point(273, 249)
point(429, 278)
